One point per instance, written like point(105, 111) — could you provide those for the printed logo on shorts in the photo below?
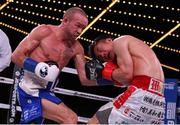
point(156, 86)
point(133, 115)
point(152, 112)
point(157, 122)
point(153, 102)
point(29, 101)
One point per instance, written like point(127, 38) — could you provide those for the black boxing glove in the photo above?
point(94, 69)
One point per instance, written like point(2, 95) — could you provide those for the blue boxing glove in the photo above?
point(41, 69)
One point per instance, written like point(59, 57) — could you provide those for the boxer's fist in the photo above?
point(93, 69)
point(107, 74)
point(43, 70)
point(108, 69)
point(47, 72)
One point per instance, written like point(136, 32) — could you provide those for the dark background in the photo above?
point(147, 20)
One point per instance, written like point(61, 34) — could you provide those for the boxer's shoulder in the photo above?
point(42, 29)
point(78, 48)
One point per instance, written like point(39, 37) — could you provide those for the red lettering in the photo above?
point(126, 110)
point(154, 85)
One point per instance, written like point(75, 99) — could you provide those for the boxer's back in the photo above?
point(144, 59)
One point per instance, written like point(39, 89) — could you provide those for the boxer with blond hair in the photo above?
point(42, 54)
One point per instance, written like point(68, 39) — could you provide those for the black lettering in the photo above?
point(150, 100)
point(145, 98)
point(160, 115)
point(149, 112)
point(154, 113)
point(143, 109)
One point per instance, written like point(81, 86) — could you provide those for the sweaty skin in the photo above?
point(132, 56)
point(58, 44)
point(48, 42)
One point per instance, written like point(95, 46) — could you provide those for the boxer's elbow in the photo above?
point(123, 76)
point(13, 57)
point(17, 59)
point(128, 76)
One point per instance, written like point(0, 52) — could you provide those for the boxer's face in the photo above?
point(76, 25)
point(103, 50)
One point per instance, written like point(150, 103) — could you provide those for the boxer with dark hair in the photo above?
point(95, 41)
point(128, 62)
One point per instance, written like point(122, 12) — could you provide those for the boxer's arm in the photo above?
point(124, 72)
point(80, 61)
point(23, 50)
point(28, 44)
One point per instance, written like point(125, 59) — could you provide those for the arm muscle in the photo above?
point(124, 61)
point(28, 44)
point(80, 66)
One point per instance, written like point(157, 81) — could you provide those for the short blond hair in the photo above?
point(71, 11)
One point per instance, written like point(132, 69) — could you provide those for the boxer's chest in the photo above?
point(59, 53)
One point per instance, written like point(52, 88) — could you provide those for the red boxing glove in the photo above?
point(108, 69)
point(107, 73)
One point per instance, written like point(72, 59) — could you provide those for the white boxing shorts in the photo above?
point(30, 91)
point(142, 103)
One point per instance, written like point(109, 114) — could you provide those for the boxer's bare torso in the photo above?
point(136, 64)
point(132, 56)
point(56, 49)
point(143, 59)
point(47, 44)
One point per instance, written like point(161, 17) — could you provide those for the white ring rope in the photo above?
point(67, 91)
point(60, 91)
point(7, 106)
point(69, 70)
point(82, 94)
point(6, 80)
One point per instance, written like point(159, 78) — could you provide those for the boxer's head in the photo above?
point(74, 21)
point(101, 48)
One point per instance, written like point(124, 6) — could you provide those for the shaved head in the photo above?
point(71, 12)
